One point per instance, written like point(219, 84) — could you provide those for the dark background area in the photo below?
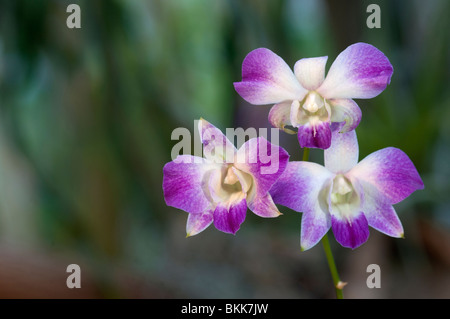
point(86, 117)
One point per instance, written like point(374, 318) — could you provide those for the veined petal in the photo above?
point(310, 72)
point(228, 217)
point(390, 171)
point(267, 79)
point(197, 223)
point(185, 182)
point(264, 161)
point(343, 153)
point(315, 135)
point(299, 186)
point(379, 212)
point(264, 206)
point(304, 187)
point(279, 116)
point(345, 110)
point(360, 71)
point(314, 227)
point(352, 232)
point(216, 146)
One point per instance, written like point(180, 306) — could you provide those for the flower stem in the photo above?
point(338, 284)
point(305, 154)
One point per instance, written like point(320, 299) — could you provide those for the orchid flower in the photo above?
point(219, 187)
point(346, 195)
point(306, 99)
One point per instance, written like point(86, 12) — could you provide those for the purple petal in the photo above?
point(310, 72)
point(279, 116)
point(343, 152)
point(360, 71)
point(316, 135)
point(264, 206)
point(229, 219)
point(216, 145)
point(345, 110)
point(267, 79)
point(314, 227)
point(184, 183)
point(303, 188)
point(378, 211)
point(300, 186)
point(197, 223)
point(264, 161)
point(352, 232)
point(391, 172)
point(382, 217)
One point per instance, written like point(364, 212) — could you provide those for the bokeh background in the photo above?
point(86, 117)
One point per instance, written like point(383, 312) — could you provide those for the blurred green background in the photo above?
point(86, 117)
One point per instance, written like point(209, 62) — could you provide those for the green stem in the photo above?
point(338, 284)
point(305, 154)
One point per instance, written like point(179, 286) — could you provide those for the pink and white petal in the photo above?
point(264, 161)
point(384, 218)
point(391, 172)
point(228, 218)
point(302, 187)
point(279, 116)
point(197, 223)
point(216, 146)
point(343, 153)
point(267, 79)
point(314, 226)
point(345, 110)
point(315, 135)
point(310, 72)
point(360, 71)
point(185, 183)
point(352, 232)
point(264, 206)
point(378, 211)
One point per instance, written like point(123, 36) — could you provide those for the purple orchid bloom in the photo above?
point(346, 195)
point(308, 100)
point(219, 188)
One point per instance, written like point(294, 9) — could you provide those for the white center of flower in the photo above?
point(312, 109)
point(229, 183)
point(341, 188)
point(344, 199)
point(313, 102)
point(230, 178)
